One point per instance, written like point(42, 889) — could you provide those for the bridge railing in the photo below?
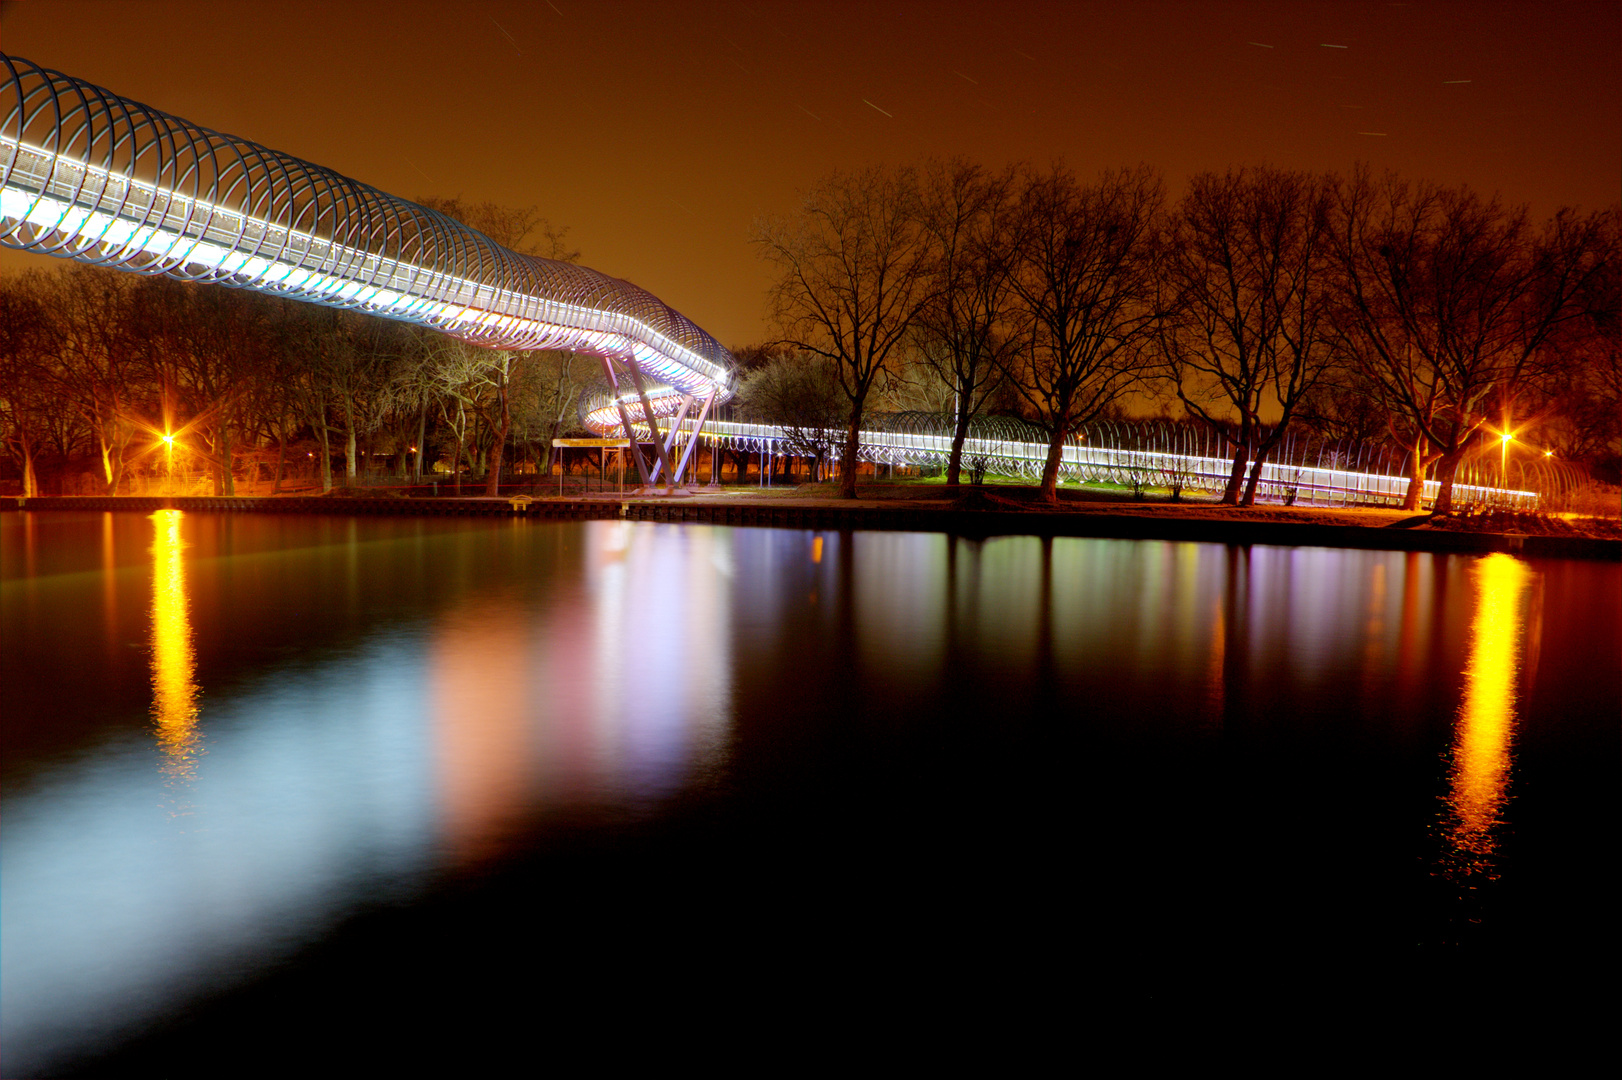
point(1092, 461)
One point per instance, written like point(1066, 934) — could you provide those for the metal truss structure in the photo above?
point(91, 176)
point(1131, 453)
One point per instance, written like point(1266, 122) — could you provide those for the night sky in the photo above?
point(658, 132)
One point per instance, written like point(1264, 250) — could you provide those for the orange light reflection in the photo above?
point(174, 660)
point(1479, 776)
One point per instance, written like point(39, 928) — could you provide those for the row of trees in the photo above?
point(1358, 306)
point(1362, 305)
point(102, 365)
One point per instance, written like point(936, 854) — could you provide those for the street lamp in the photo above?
point(1503, 462)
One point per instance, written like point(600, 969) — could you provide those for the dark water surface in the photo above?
point(277, 787)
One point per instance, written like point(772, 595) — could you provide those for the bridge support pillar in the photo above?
point(687, 451)
point(670, 440)
point(625, 419)
point(653, 427)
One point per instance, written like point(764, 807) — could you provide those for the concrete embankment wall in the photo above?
point(784, 514)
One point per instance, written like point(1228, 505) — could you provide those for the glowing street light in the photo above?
point(1506, 435)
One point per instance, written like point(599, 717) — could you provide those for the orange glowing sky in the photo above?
point(657, 132)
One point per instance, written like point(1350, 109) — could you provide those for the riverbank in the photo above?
point(976, 513)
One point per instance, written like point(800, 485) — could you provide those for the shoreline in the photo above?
point(1390, 530)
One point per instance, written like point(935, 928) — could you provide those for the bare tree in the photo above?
point(457, 370)
point(962, 331)
point(800, 393)
point(411, 391)
point(206, 346)
point(1242, 324)
point(26, 377)
point(1340, 406)
point(1582, 406)
point(344, 384)
point(1448, 303)
point(275, 400)
point(98, 359)
point(556, 382)
point(521, 229)
point(915, 385)
point(488, 390)
point(1084, 278)
point(320, 358)
point(852, 267)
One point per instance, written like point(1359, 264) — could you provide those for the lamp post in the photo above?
point(1503, 465)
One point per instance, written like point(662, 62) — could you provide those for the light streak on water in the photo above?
point(1478, 780)
point(174, 660)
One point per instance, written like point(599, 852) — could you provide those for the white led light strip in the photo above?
point(1013, 457)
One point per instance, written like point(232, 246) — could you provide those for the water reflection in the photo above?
point(393, 700)
point(614, 687)
point(1478, 778)
point(109, 586)
point(582, 667)
point(174, 661)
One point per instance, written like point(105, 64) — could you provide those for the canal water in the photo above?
point(361, 788)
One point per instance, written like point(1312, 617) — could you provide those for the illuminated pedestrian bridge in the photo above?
point(91, 176)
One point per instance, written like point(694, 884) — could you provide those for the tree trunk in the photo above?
point(1416, 476)
point(1236, 475)
point(492, 468)
point(1050, 468)
point(30, 480)
point(107, 469)
point(422, 433)
point(954, 464)
point(1264, 450)
point(853, 444)
point(1255, 476)
point(498, 445)
point(326, 459)
point(281, 459)
point(456, 463)
point(548, 453)
point(1249, 496)
point(228, 485)
point(1446, 468)
point(349, 453)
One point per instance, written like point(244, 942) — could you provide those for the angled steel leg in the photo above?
point(625, 418)
point(647, 410)
point(670, 437)
point(687, 451)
